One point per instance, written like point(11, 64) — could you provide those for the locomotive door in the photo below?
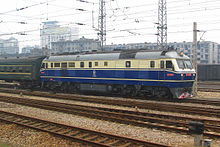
point(64, 71)
point(161, 73)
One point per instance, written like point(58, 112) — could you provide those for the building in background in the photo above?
point(131, 46)
point(208, 52)
point(27, 49)
point(52, 32)
point(9, 46)
point(80, 45)
point(33, 51)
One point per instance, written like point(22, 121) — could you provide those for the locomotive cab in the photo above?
point(185, 73)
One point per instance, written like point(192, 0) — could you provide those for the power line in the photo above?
point(26, 7)
point(172, 12)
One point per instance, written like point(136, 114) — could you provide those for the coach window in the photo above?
point(90, 64)
point(169, 65)
point(43, 65)
point(96, 64)
point(10, 69)
point(20, 69)
point(5, 69)
point(56, 64)
point(51, 65)
point(71, 64)
point(2, 69)
point(161, 64)
point(27, 69)
point(14, 69)
point(152, 64)
point(105, 63)
point(64, 65)
point(128, 63)
point(81, 64)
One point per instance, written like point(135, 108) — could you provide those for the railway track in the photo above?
point(209, 89)
point(209, 86)
point(154, 105)
point(208, 101)
point(91, 138)
point(142, 119)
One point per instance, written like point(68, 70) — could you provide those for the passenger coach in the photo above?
point(145, 73)
point(25, 70)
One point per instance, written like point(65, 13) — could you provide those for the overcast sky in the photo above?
point(127, 21)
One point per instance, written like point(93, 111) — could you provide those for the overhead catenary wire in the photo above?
point(118, 25)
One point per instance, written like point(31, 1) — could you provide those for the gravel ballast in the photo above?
point(19, 136)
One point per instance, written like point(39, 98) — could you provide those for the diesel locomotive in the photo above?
point(134, 73)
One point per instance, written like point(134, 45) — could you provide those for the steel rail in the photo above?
point(93, 138)
point(122, 116)
point(155, 105)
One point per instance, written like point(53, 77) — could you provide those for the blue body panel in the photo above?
point(168, 79)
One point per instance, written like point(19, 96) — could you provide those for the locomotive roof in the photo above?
point(116, 56)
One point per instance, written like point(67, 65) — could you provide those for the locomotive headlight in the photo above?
point(194, 74)
point(181, 54)
point(182, 75)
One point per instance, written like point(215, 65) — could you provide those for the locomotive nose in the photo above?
point(188, 76)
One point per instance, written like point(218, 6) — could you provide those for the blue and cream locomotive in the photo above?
point(143, 73)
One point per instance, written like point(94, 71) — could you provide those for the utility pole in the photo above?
point(162, 25)
point(102, 23)
point(195, 57)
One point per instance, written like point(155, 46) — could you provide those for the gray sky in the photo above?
point(128, 21)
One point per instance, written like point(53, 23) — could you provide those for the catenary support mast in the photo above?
point(102, 23)
point(195, 56)
point(162, 25)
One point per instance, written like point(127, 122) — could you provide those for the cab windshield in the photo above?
point(184, 64)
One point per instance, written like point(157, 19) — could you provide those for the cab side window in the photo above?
point(169, 65)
